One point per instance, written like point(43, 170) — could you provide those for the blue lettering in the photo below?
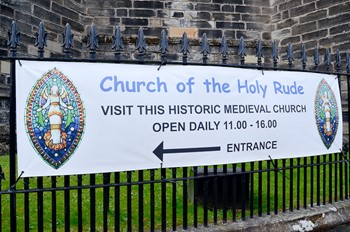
point(109, 78)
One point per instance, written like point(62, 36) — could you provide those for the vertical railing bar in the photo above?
point(54, 203)
point(80, 203)
point(26, 206)
point(184, 195)
point(92, 202)
point(163, 198)
point(106, 180)
point(13, 41)
point(298, 183)
point(284, 185)
point(312, 182)
point(243, 191)
point(224, 209)
point(140, 204)
point(291, 184)
point(338, 157)
point(205, 206)
point(251, 194)
point(117, 202)
point(318, 187)
point(215, 207)
point(174, 218)
point(324, 178)
point(268, 188)
point(348, 114)
point(40, 42)
point(195, 199)
point(335, 177)
point(330, 200)
point(260, 193)
point(40, 204)
point(276, 188)
point(152, 198)
point(341, 189)
point(234, 191)
point(129, 200)
point(305, 182)
point(67, 204)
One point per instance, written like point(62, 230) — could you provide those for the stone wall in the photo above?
point(322, 23)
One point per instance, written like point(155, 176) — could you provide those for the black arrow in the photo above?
point(159, 151)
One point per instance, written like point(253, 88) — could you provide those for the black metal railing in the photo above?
point(169, 198)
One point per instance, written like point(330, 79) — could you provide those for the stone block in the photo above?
point(101, 12)
point(21, 16)
point(230, 25)
point(339, 8)
point(314, 16)
point(229, 1)
point(287, 23)
point(289, 5)
point(179, 6)
point(122, 12)
point(61, 10)
point(141, 13)
point(256, 18)
point(301, 10)
point(47, 15)
point(214, 34)
point(149, 4)
point(226, 17)
point(304, 28)
point(135, 21)
point(330, 22)
point(207, 7)
point(228, 8)
point(315, 35)
point(248, 9)
point(192, 33)
point(326, 3)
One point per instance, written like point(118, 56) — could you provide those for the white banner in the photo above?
point(75, 118)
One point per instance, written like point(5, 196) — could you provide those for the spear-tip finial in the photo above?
point(141, 41)
point(40, 36)
point(205, 45)
point(92, 38)
point(117, 40)
point(338, 59)
point(275, 50)
point(259, 49)
point(241, 48)
point(224, 47)
point(13, 36)
point(67, 37)
point(327, 57)
point(316, 56)
point(303, 54)
point(163, 42)
point(185, 44)
point(290, 53)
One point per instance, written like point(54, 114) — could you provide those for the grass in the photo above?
point(289, 177)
